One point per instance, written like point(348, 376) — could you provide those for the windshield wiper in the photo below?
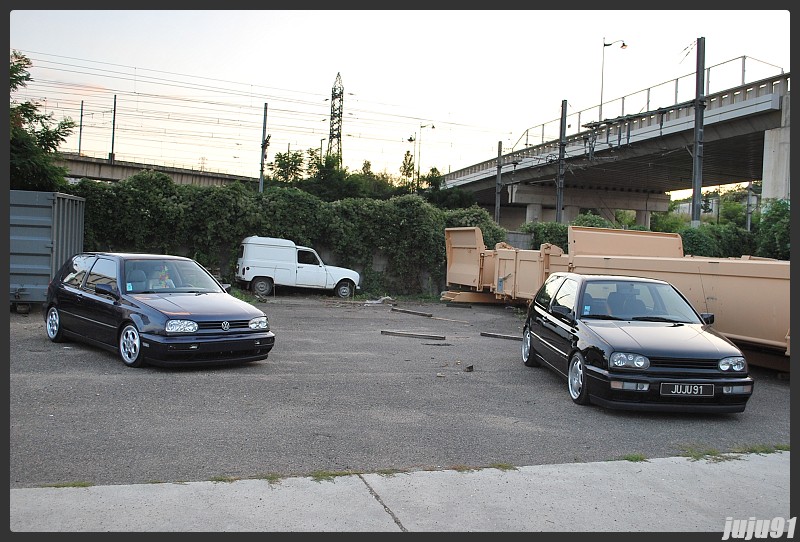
point(601, 316)
point(658, 319)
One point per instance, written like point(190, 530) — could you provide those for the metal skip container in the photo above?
point(45, 228)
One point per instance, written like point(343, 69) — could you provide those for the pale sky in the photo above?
point(191, 85)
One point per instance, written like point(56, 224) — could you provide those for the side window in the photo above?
point(80, 266)
point(103, 272)
point(307, 257)
point(565, 297)
point(547, 291)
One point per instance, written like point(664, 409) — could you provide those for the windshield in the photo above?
point(167, 275)
point(633, 300)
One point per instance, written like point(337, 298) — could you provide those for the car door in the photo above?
point(556, 325)
point(310, 271)
point(69, 291)
point(99, 314)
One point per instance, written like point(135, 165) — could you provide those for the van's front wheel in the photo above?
point(345, 289)
point(262, 286)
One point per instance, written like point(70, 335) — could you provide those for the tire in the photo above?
point(130, 346)
point(262, 286)
point(528, 353)
point(345, 289)
point(52, 325)
point(577, 382)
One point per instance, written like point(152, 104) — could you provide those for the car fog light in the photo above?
point(729, 390)
point(632, 386)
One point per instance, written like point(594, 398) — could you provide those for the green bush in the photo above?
point(772, 230)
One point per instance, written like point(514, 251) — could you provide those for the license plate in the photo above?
point(691, 390)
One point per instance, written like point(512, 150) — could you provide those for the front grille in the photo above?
point(217, 325)
point(683, 363)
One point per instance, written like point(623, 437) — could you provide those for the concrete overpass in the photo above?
point(101, 169)
point(632, 161)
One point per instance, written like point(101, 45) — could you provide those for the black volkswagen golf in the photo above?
point(633, 343)
point(153, 309)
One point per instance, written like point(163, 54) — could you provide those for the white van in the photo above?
point(266, 262)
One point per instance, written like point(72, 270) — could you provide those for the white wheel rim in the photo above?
point(129, 344)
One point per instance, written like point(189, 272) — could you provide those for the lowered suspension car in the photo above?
point(153, 309)
point(633, 343)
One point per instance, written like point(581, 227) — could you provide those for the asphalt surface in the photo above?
point(380, 396)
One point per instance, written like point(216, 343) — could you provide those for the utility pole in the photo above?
point(113, 129)
point(264, 145)
point(697, 158)
point(562, 143)
point(80, 130)
point(499, 184)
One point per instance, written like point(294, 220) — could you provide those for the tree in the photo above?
point(34, 137)
point(407, 168)
point(288, 166)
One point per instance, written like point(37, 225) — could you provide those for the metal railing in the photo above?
point(546, 134)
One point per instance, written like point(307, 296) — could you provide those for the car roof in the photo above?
point(137, 256)
point(589, 277)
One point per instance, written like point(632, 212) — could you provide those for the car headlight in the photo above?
point(260, 322)
point(627, 360)
point(734, 363)
point(181, 326)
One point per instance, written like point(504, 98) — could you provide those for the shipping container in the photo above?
point(45, 229)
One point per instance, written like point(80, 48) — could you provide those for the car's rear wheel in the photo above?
point(345, 289)
point(130, 346)
point(262, 286)
point(576, 379)
point(53, 325)
point(528, 353)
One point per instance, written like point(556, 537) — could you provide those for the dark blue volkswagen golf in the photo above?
point(153, 309)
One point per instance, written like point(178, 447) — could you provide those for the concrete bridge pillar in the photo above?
point(533, 212)
point(775, 175)
point(643, 218)
point(570, 213)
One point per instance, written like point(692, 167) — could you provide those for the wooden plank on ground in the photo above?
point(416, 335)
point(395, 309)
point(501, 336)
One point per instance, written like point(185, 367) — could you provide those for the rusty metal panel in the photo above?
point(530, 273)
point(464, 248)
point(505, 275)
point(611, 242)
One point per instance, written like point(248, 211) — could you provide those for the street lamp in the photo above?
point(419, 149)
point(602, 70)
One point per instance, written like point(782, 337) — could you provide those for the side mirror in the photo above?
point(106, 289)
point(708, 317)
point(226, 287)
point(563, 312)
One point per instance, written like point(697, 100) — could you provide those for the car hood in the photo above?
point(200, 306)
point(342, 272)
point(658, 339)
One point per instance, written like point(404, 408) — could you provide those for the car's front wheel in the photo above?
point(577, 381)
point(130, 346)
point(345, 289)
point(53, 325)
point(262, 286)
point(528, 354)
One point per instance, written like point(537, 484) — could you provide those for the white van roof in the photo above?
point(274, 241)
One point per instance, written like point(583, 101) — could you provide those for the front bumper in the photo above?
point(206, 350)
point(603, 394)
